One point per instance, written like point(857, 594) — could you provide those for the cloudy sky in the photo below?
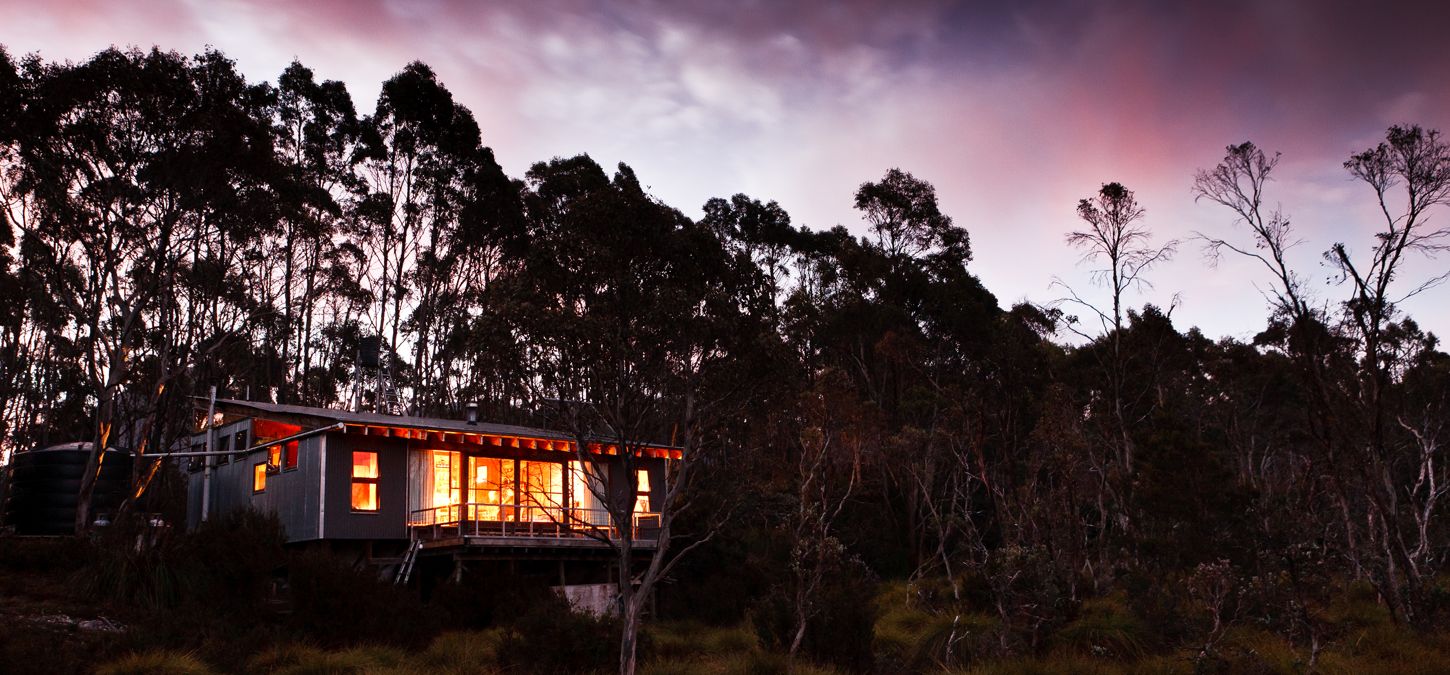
point(1012, 111)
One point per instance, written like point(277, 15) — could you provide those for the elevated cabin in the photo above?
point(366, 480)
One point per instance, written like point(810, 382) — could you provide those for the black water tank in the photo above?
point(369, 351)
point(43, 485)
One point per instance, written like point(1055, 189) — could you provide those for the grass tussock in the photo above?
point(1357, 606)
point(159, 662)
point(462, 652)
point(1105, 628)
point(906, 633)
point(686, 640)
point(307, 660)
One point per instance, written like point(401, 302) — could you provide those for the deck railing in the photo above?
point(510, 520)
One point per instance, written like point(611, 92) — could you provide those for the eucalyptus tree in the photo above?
point(637, 329)
point(1409, 173)
point(138, 164)
point(421, 157)
point(11, 209)
point(317, 133)
point(1380, 464)
point(1117, 239)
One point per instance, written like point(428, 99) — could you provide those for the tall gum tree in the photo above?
point(637, 331)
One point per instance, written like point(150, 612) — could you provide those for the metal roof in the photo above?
point(382, 419)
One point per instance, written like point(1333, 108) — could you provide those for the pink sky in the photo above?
point(1012, 113)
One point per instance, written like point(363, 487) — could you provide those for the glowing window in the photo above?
point(259, 477)
point(274, 457)
point(289, 455)
point(364, 481)
point(642, 492)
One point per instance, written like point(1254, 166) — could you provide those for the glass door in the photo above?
point(491, 488)
point(541, 490)
point(435, 476)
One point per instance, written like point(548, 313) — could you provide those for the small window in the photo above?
point(259, 477)
point(274, 457)
point(364, 481)
point(289, 456)
point(241, 443)
point(224, 445)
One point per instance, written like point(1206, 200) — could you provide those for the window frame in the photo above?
point(290, 451)
point(259, 473)
point(355, 480)
point(239, 442)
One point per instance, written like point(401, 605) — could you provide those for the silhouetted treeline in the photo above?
point(170, 226)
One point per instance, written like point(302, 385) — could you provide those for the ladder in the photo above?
point(405, 568)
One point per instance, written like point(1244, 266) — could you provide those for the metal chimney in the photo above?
point(472, 411)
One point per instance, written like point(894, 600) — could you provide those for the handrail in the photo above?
point(525, 520)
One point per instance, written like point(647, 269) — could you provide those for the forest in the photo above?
point(888, 470)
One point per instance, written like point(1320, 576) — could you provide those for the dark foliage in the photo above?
point(334, 603)
point(550, 637)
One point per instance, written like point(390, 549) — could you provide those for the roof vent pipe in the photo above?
point(472, 410)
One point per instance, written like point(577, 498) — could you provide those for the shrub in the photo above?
point(550, 637)
point(132, 566)
point(337, 604)
point(229, 563)
point(485, 600)
point(841, 629)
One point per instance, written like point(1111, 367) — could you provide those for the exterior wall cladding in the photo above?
point(314, 500)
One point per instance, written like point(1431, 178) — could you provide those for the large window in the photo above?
point(491, 488)
point(541, 488)
point(364, 481)
point(446, 469)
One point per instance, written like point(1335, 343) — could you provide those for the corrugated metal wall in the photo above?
point(293, 494)
point(390, 521)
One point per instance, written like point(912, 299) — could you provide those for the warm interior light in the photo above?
point(480, 475)
point(365, 496)
point(364, 465)
point(642, 491)
point(445, 469)
point(365, 481)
